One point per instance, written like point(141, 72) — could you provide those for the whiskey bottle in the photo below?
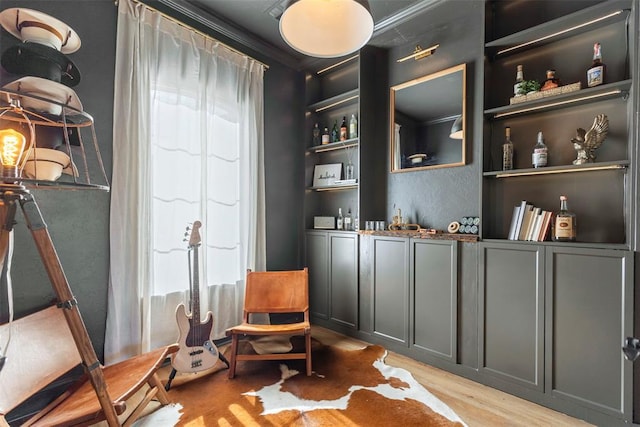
point(316, 135)
point(539, 156)
point(507, 150)
point(347, 221)
point(343, 129)
point(564, 223)
point(335, 134)
point(326, 138)
point(519, 80)
point(552, 81)
point(353, 127)
point(595, 73)
point(340, 220)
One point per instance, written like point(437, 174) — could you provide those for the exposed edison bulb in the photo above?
point(12, 145)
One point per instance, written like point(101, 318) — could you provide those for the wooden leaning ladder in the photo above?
point(12, 196)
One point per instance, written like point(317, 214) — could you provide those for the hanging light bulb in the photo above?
point(16, 140)
point(12, 147)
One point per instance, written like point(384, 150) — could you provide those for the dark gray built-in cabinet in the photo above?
point(409, 295)
point(390, 289)
point(434, 297)
point(511, 314)
point(588, 313)
point(333, 278)
point(551, 322)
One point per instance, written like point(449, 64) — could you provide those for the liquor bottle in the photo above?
point(326, 138)
point(519, 80)
point(507, 150)
point(564, 223)
point(539, 156)
point(340, 221)
point(349, 171)
point(347, 221)
point(353, 127)
point(595, 73)
point(316, 135)
point(343, 129)
point(552, 81)
point(356, 222)
point(335, 134)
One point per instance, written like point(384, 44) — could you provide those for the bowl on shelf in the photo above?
point(416, 159)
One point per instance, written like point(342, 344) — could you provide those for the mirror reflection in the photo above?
point(428, 120)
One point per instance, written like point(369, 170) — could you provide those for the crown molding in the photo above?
point(235, 35)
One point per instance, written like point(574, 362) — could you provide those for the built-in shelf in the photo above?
point(334, 66)
point(345, 98)
point(571, 25)
point(333, 187)
point(583, 96)
point(587, 167)
point(578, 244)
point(340, 145)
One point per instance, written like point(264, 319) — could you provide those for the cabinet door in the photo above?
point(317, 262)
point(391, 288)
point(589, 312)
point(343, 275)
point(512, 313)
point(434, 267)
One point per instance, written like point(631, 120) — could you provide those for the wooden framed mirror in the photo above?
point(427, 121)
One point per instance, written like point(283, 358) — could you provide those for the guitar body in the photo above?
point(197, 351)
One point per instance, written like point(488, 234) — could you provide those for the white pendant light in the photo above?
point(456, 130)
point(326, 28)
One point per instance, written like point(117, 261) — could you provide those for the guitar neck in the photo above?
point(195, 293)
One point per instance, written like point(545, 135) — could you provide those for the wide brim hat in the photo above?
point(33, 26)
point(43, 95)
point(48, 165)
point(34, 59)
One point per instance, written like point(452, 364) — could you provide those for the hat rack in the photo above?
point(50, 140)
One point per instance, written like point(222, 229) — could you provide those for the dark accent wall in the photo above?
point(436, 197)
point(78, 221)
point(284, 167)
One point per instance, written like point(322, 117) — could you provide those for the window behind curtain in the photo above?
point(186, 170)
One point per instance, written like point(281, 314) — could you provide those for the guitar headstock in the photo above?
point(194, 234)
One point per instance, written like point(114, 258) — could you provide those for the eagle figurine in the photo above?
point(586, 143)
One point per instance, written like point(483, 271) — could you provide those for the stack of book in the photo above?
point(529, 223)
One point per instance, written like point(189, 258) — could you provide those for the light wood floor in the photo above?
point(477, 404)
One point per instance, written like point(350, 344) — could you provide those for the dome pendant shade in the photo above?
point(326, 28)
point(456, 129)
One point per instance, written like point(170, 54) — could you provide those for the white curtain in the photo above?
point(188, 145)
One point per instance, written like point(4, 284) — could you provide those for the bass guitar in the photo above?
point(197, 350)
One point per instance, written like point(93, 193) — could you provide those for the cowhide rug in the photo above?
point(347, 388)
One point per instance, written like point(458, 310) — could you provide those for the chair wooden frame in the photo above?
point(42, 349)
point(268, 292)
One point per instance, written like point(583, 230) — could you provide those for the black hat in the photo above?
point(35, 59)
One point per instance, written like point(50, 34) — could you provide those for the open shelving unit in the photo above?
point(339, 89)
point(564, 44)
